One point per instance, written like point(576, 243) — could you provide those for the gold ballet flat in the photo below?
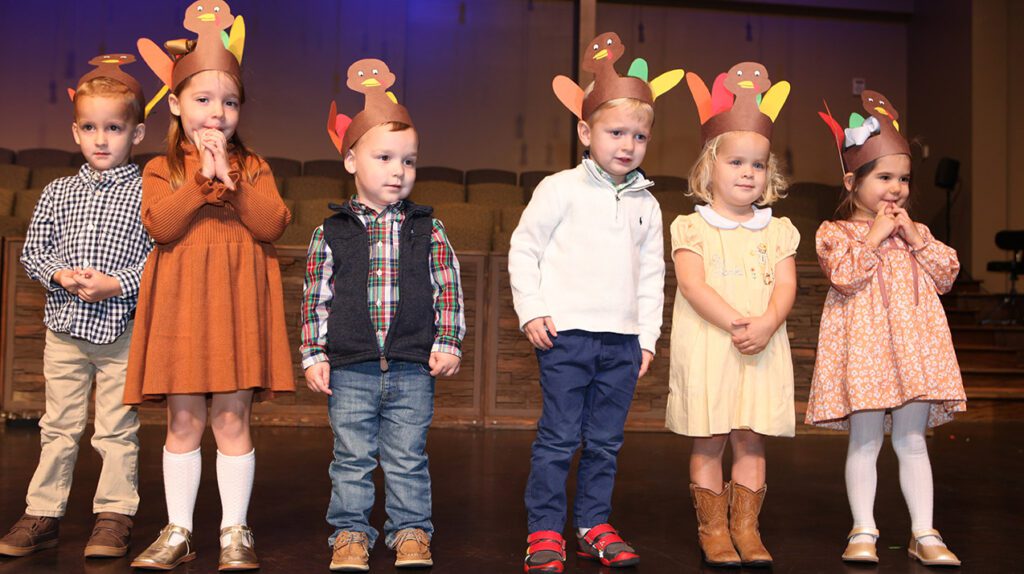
point(931, 555)
point(162, 555)
point(861, 551)
point(239, 554)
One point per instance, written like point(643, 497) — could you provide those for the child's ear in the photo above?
point(848, 180)
point(138, 134)
point(350, 161)
point(583, 130)
point(74, 132)
point(174, 104)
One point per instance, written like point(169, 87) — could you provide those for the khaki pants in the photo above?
point(69, 366)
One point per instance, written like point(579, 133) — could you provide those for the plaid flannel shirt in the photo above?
point(89, 220)
point(382, 293)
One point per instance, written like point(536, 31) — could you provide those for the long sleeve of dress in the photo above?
point(167, 212)
point(847, 262)
point(938, 260)
point(259, 205)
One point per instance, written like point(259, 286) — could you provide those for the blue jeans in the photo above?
point(380, 414)
point(587, 382)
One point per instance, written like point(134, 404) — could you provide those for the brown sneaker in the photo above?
point(412, 549)
point(110, 536)
point(29, 534)
point(351, 552)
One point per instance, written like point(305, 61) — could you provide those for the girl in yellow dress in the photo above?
point(731, 374)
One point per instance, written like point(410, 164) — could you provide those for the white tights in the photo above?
point(909, 424)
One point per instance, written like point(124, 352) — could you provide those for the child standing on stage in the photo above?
point(731, 375)
point(382, 316)
point(87, 246)
point(885, 355)
point(587, 270)
point(210, 324)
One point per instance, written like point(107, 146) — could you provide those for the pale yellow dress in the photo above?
point(713, 388)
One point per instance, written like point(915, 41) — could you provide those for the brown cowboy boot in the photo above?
point(745, 505)
point(713, 526)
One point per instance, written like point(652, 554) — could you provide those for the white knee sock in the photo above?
point(182, 473)
point(234, 480)
point(866, 435)
point(909, 424)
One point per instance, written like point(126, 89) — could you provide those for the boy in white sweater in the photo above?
point(587, 271)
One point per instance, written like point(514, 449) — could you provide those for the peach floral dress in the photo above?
point(884, 340)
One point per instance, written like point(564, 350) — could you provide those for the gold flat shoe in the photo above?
point(931, 555)
point(162, 555)
point(240, 552)
point(864, 552)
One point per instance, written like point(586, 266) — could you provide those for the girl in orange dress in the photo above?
point(885, 356)
point(210, 319)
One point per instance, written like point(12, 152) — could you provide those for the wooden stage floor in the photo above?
point(479, 476)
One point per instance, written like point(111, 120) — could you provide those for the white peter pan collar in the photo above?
point(762, 217)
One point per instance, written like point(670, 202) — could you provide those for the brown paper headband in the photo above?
point(214, 49)
point(109, 66)
point(867, 139)
point(736, 103)
point(372, 78)
point(600, 57)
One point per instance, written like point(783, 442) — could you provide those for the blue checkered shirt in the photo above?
point(92, 219)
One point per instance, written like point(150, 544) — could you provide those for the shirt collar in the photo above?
point(634, 181)
point(360, 208)
point(118, 174)
point(762, 217)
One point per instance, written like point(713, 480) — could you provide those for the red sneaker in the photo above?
point(545, 553)
point(604, 544)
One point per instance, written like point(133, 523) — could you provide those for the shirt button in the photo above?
point(378, 302)
point(86, 263)
point(380, 272)
point(380, 244)
point(380, 333)
point(91, 227)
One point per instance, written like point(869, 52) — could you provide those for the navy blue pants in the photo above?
point(587, 380)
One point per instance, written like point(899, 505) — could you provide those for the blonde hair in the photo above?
point(103, 87)
point(176, 138)
point(701, 175)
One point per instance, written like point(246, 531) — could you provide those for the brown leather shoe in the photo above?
point(744, 507)
point(30, 534)
point(351, 552)
point(713, 526)
point(412, 549)
point(110, 536)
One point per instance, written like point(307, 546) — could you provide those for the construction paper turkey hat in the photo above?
point(867, 139)
point(599, 58)
point(372, 78)
point(109, 66)
point(213, 49)
point(742, 99)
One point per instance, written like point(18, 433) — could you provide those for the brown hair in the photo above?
point(848, 203)
point(176, 139)
point(103, 87)
point(701, 175)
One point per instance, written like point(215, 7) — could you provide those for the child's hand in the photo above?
point(444, 364)
point(217, 143)
point(94, 286)
point(906, 228)
point(750, 335)
point(882, 227)
point(318, 377)
point(538, 331)
point(645, 362)
point(65, 278)
point(208, 166)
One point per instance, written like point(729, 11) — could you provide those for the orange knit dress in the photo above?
point(210, 317)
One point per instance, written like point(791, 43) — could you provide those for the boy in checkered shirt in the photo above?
point(87, 246)
point(382, 315)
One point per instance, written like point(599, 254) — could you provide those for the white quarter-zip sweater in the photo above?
point(590, 257)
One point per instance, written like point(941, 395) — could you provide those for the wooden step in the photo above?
point(993, 377)
point(989, 356)
point(1000, 335)
point(962, 316)
point(993, 393)
point(976, 301)
point(967, 286)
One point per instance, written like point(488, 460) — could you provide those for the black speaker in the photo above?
point(947, 173)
